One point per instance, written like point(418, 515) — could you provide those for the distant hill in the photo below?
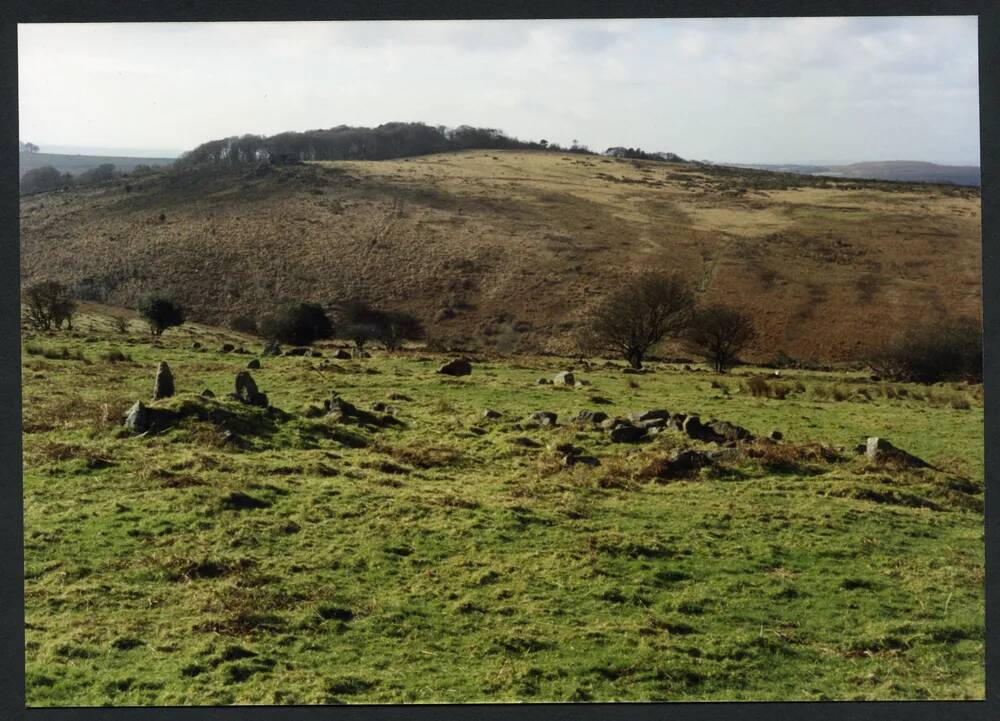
point(512, 248)
point(911, 171)
point(77, 164)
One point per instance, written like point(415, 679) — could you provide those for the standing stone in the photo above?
point(247, 392)
point(880, 450)
point(164, 386)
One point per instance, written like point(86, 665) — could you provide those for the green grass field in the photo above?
point(440, 561)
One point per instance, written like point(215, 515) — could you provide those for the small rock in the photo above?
point(491, 415)
point(164, 384)
point(342, 354)
point(627, 433)
point(543, 418)
point(568, 448)
point(195, 345)
point(650, 415)
point(565, 378)
point(231, 439)
point(227, 348)
point(271, 348)
point(573, 460)
point(456, 367)
point(359, 353)
point(730, 431)
point(253, 364)
point(591, 416)
point(880, 450)
point(776, 435)
point(207, 393)
point(316, 354)
point(296, 351)
point(543, 382)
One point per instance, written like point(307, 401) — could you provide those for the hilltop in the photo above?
point(511, 248)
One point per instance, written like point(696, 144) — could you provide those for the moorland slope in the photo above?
point(513, 248)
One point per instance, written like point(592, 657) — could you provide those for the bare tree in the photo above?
point(639, 315)
point(48, 304)
point(718, 334)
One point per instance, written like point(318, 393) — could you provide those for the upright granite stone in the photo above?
point(164, 385)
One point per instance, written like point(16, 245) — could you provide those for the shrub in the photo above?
point(48, 304)
point(948, 349)
point(42, 179)
point(244, 324)
point(718, 334)
point(297, 324)
point(363, 322)
point(639, 315)
point(160, 312)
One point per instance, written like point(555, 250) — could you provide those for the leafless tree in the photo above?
point(718, 334)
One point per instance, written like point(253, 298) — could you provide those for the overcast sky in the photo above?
point(824, 90)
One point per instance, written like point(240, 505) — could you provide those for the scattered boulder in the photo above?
point(676, 421)
point(247, 392)
point(491, 415)
point(195, 345)
point(207, 393)
point(543, 418)
point(880, 450)
point(316, 354)
point(141, 419)
point(253, 364)
point(271, 348)
point(342, 354)
point(591, 416)
point(456, 367)
point(227, 348)
point(627, 433)
point(639, 416)
point(652, 424)
point(730, 431)
point(543, 382)
point(609, 424)
point(776, 435)
point(568, 448)
point(573, 460)
point(296, 351)
point(399, 397)
point(359, 353)
point(696, 430)
point(565, 378)
point(164, 384)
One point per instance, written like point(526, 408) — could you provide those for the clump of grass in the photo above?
point(421, 455)
point(54, 354)
point(759, 387)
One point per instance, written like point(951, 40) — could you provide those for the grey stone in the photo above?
point(565, 378)
point(227, 348)
point(591, 416)
point(776, 435)
point(342, 354)
point(253, 364)
point(164, 384)
point(247, 392)
point(880, 450)
point(491, 415)
point(650, 415)
point(627, 434)
point(543, 418)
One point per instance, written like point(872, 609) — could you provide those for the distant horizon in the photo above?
point(175, 154)
point(760, 90)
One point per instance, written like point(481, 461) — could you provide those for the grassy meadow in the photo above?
point(446, 559)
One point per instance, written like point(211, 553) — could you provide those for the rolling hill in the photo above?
point(512, 248)
point(77, 164)
point(911, 171)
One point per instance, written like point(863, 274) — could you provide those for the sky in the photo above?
point(762, 90)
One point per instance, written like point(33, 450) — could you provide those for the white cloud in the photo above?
point(753, 90)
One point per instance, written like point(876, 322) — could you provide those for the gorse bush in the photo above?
point(948, 349)
point(297, 324)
